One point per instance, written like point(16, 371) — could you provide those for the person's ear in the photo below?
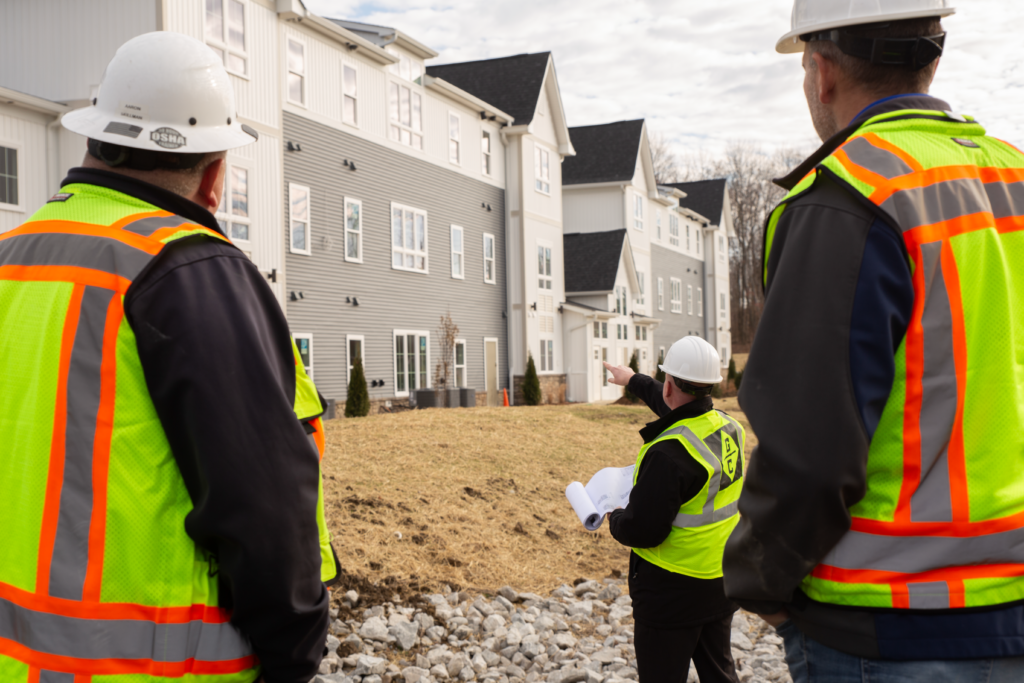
point(212, 186)
point(828, 76)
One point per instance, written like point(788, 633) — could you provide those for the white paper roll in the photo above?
point(583, 506)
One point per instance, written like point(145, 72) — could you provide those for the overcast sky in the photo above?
point(702, 72)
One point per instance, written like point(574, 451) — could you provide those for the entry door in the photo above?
point(491, 370)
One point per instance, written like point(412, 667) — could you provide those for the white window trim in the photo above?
point(661, 294)
point(413, 88)
point(426, 239)
point(288, 70)
point(344, 219)
point(11, 144)
point(308, 251)
point(465, 363)
point(689, 299)
point(306, 335)
point(354, 66)
point(544, 341)
point(348, 356)
point(638, 207)
point(542, 150)
point(489, 155)
point(700, 302)
point(493, 259)
point(394, 360)
point(227, 216)
point(222, 43)
point(676, 303)
point(458, 161)
point(673, 237)
point(451, 234)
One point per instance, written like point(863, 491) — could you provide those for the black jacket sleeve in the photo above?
point(217, 358)
point(648, 390)
point(798, 393)
point(668, 477)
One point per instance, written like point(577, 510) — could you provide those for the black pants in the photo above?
point(663, 656)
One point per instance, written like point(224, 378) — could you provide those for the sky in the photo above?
point(703, 73)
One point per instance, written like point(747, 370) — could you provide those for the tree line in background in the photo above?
point(749, 171)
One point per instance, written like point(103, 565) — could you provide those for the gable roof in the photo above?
point(706, 197)
point(512, 84)
point(592, 260)
point(605, 153)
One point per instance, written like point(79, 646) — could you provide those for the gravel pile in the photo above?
point(581, 633)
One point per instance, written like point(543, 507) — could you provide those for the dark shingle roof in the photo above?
point(512, 84)
point(605, 153)
point(592, 260)
point(706, 197)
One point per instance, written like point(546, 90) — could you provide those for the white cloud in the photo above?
point(701, 72)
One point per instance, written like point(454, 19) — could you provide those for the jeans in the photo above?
point(812, 662)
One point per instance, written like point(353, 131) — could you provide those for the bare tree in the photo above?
point(752, 196)
point(666, 162)
point(447, 333)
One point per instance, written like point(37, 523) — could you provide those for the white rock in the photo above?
point(563, 640)
point(456, 664)
point(587, 587)
point(351, 598)
point(740, 640)
point(584, 607)
point(479, 664)
point(414, 674)
point(367, 665)
point(439, 671)
point(619, 612)
point(493, 623)
point(406, 634)
point(609, 592)
point(332, 643)
point(374, 628)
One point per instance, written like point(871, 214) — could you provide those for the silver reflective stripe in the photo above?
point(938, 202)
point(56, 677)
point(147, 226)
point(915, 554)
point(708, 514)
point(84, 251)
point(63, 636)
point(1007, 199)
point(71, 544)
point(932, 501)
point(691, 521)
point(875, 159)
point(930, 595)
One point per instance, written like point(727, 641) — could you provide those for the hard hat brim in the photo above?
point(95, 124)
point(695, 380)
point(791, 43)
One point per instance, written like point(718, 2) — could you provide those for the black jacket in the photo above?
point(216, 353)
point(668, 477)
point(838, 301)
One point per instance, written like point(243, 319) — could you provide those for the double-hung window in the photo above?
point(687, 238)
point(411, 361)
point(298, 210)
point(721, 248)
point(689, 299)
point(661, 294)
point(604, 330)
point(353, 230)
point(597, 330)
point(700, 302)
point(454, 138)
point(638, 211)
point(658, 225)
point(673, 230)
point(489, 272)
point(677, 295)
point(460, 363)
point(458, 254)
point(225, 33)
point(547, 355)
point(545, 299)
point(9, 176)
point(640, 277)
point(233, 214)
point(408, 238)
point(304, 343)
point(621, 297)
point(721, 312)
point(544, 278)
point(405, 111)
point(699, 240)
point(542, 169)
point(485, 151)
point(355, 351)
point(349, 94)
point(296, 72)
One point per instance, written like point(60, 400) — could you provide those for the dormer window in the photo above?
point(405, 107)
point(406, 68)
point(225, 33)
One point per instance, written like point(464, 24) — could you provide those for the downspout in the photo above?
point(53, 154)
point(508, 267)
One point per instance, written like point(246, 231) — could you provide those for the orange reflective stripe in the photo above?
point(72, 228)
point(914, 353)
point(33, 674)
point(963, 225)
point(943, 174)
point(55, 473)
point(862, 174)
point(74, 274)
point(877, 141)
point(118, 225)
point(873, 576)
point(955, 450)
point(957, 593)
point(318, 435)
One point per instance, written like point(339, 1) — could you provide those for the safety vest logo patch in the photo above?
point(168, 138)
point(730, 456)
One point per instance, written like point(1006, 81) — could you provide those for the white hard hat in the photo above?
point(164, 92)
point(812, 16)
point(694, 360)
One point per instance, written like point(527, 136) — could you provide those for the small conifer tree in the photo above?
point(358, 402)
point(634, 365)
point(732, 369)
point(660, 374)
point(531, 383)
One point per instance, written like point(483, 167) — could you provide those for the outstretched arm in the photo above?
point(646, 388)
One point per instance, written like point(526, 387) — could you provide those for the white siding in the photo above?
point(592, 210)
point(26, 132)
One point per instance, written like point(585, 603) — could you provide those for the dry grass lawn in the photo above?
point(474, 497)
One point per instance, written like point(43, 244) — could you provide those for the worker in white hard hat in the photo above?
point(167, 491)
point(688, 477)
point(880, 521)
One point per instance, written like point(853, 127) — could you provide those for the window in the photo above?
point(226, 34)
point(544, 278)
point(405, 107)
point(597, 330)
point(677, 295)
point(638, 212)
point(304, 343)
point(659, 226)
point(407, 67)
point(661, 294)
point(489, 271)
point(353, 230)
point(689, 299)
point(687, 238)
point(460, 363)
point(721, 313)
point(620, 300)
point(9, 176)
point(699, 240)
point(454, 138)
point(233, 214)
point(458, 254)
point(673, 230)
point(408, 238)
point(298, 208)
point(604, 330)
point(643, 330)
point(640, 277)
point(485, 150)
point(721, 248)
point(411, 362)
point(542, 169)
point(547, 355)
point(604, 375)
point(349, 95)
point(700, 302)
point(355, 350)
point(296, 72)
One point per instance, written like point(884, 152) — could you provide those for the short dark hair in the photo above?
point(883, 79)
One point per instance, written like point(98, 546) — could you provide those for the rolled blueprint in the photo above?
point(607, 490)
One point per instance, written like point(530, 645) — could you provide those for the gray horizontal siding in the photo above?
point(668, 264)
point(388, 299)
